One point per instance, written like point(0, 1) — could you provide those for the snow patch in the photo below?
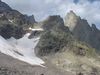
point(22, 49)
point(39, 29)
point(10, 21)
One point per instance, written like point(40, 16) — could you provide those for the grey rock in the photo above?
point(13, 23)
point(52, 21)
point(54, 38)
point(31, 19)
point(11, 66)
point(4, 6)
point(82, 30)
point(35, 34)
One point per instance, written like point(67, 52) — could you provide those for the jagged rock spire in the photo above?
point(51, 21)
point(94, 26)
point(82, 30)
point(72, 13)
point(32, 19)
point(71, 20)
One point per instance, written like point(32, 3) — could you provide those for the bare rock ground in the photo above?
point(11, 66)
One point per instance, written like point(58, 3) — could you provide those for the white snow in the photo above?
point(22, 49)
point(1, 15)
point(39, 29)
point(11, 21)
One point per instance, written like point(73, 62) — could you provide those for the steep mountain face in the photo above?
point(4, 6)
point(12, 22)
point(58, 38)
point(54, 38)
point(58, 47)
point(82, 30)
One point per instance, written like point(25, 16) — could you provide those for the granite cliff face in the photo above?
point(82, 30)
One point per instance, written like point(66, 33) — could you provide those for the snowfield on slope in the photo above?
point(22, 49)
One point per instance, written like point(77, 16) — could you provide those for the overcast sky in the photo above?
point(88, 9)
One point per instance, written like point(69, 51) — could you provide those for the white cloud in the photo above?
point(89, 11)
point(43, 8)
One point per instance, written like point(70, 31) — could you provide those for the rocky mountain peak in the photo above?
point(75, 22)
point(54, 18)
point(82, 30)
point(72, 13)
point(52, 21)
point(94, 27)
point(4, 6)
point(32, 19)
point(71, 20)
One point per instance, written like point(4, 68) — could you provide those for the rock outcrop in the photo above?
point(82, 30)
